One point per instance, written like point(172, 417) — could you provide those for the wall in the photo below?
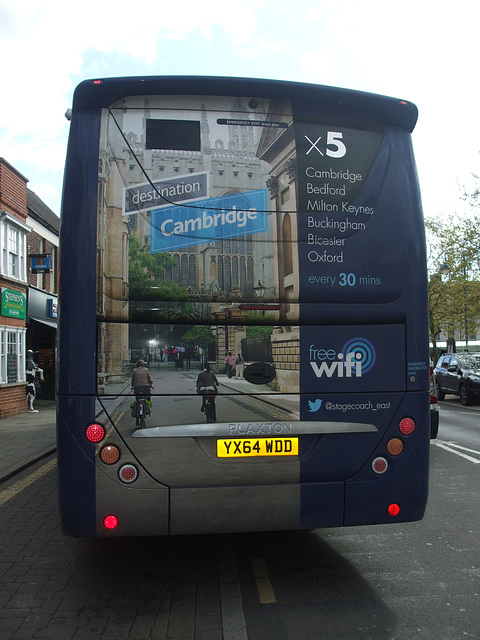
point(13, 201)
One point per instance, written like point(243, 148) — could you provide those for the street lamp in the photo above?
point(260, 290)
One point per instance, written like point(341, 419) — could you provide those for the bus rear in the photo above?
point(269, 232)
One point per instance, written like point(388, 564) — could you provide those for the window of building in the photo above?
point(13, 248)
point(12, 354)
point(13, 252)
point(184, 272)
point(235, 269)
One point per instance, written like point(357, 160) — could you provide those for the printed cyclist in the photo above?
point(142, 383)
point(206, 382)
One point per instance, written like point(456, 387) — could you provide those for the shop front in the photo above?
point(42, 335)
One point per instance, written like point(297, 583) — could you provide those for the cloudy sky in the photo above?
point(419, 50)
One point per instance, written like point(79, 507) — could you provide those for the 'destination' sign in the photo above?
point(140, 198)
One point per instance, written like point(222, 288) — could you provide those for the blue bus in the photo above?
point(265, 239)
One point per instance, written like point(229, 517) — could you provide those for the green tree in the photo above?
point(147, 286)
point(472, 194)
point(200, 334)
point(146, 270)
point(454, 276)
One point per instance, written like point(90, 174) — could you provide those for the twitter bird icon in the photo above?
point(314, 406)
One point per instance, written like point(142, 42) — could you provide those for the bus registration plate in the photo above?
point(243, 448)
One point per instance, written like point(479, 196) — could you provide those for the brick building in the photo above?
point(29, 233)
point(13, 283)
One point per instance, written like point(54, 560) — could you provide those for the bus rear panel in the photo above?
point(271, 232)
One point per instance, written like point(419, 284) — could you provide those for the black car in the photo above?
point(459, 373)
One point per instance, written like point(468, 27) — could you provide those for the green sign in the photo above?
point(14, 304)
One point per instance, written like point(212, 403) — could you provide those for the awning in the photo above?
point(47, 322)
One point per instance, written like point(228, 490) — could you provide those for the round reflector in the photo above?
point(110, 522)
point(95, 432)
point(394, 509)
point(379, 465)
point(128, 473)
point(395, 446)
point(407, 426)
point(110, 454)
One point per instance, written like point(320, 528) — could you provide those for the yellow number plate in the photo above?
point(243, 448)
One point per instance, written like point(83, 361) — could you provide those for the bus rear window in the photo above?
point(175, 135)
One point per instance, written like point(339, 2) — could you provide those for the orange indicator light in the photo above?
point(395, 446)
point(110, 454)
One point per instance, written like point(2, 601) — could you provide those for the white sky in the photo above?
point(419, 50)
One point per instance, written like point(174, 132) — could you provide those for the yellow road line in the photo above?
point(20, 485)
point(117, 416)
point(264, 586)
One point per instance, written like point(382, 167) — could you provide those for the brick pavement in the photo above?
point(53, 587)
point(26, 438)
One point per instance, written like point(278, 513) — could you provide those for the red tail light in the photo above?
point(95, 432)
point(393, 509)
point(110, 522)
point(407, 426)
